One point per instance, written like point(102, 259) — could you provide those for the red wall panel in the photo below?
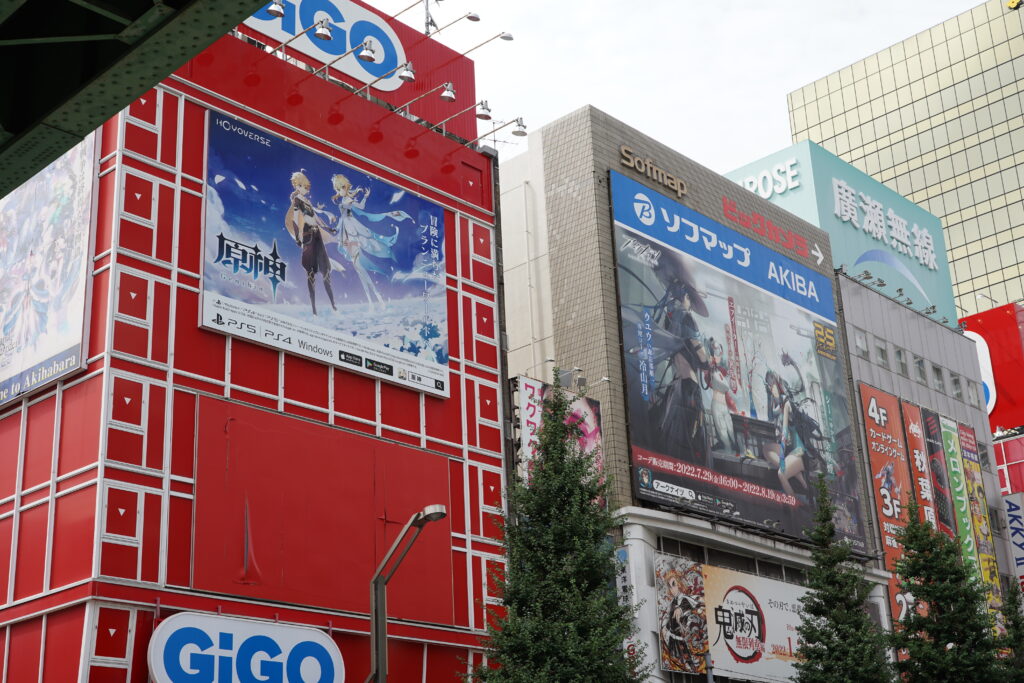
point(23, 654)
point(39, 443)
point(271, 490)
point(10, 438)
point(6, 530)
point(80, 416)
point(31, 552)
point(74, 525)
point(64, 631)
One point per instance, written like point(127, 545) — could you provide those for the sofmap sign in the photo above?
point(350, 25)
point(872, 228)
point(205, 648)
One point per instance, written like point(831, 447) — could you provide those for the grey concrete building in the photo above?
point(938, 117)
point(563, 256)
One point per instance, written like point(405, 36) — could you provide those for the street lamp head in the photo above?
point(431, 513)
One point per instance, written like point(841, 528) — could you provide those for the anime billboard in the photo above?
point(310, 256)
point(45, 252)
point(986, 548)
point(920, 468)
point(736, 392)
point(945, 512)
point(682, 614)
point(584, 412)
point(959, 493)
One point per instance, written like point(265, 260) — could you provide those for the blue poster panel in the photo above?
point(45, 252)
point(736, 393)
point(310, 256)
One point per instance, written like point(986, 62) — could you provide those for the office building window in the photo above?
point(919, 370)
point(938, 382)
point(901, 361)
point(860, 343)
point(882, 353)
point(956, 387)
point(972, 394)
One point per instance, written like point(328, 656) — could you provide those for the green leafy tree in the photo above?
point(838, 640)
point(562, 620)
point(950, 637)
point(1013, 664)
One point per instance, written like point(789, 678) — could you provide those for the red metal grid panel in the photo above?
point(80, 420)
point(39, 434)
point(196, 350)
point(10, 440)
point(74, 529)
point(288, 510)
point(183, 434)
point(63, 644)
point(98, 314)
point(30, 556)
point(306, 381)
point(112, 633)
point(24, 649)
point(6, 531)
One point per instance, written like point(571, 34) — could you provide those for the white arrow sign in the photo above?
point(817, 252)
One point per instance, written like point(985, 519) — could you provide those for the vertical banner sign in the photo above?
point(319, 259)
point(941, 491)
point(958, 489)
point(682, 616)
point(979, 516)
point(1014, 505)
point(584, 412)
point(890, 481)
point(917, 457)
point(737, 396)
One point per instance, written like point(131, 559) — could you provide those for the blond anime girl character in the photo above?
point(304, 224)
point(358, 242)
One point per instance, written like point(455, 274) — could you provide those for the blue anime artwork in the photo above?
point(302, 238)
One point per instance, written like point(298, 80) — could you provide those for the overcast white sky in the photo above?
point(709, 78)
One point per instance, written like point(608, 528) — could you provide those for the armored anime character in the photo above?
point(797, 447)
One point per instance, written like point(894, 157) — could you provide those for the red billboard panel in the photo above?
point(890, 476)
point(1000, 344)
point(920, 469)
point(1010, 461)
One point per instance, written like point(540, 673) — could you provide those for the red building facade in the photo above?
point(189, 470)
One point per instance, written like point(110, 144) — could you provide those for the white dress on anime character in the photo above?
point(359, 242)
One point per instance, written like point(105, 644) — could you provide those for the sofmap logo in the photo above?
point(204, 648)
point(350, 26)
point(644, 208)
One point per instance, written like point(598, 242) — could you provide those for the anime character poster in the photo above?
point(890, 481)
point(45, 252)
point(736, 394)
point(752, 624)
point(945, 512)
point(920, 468)
point(987, 564)
point(959, 494)
point(308, 255)
point(682, 614)
point(584, 412)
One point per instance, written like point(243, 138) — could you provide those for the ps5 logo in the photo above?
point(644, 208)
point(350, 26)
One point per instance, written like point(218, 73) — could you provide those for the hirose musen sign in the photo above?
point(205, 648)
point(350, 26)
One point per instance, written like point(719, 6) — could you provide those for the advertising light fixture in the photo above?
point(276, 9)
point(367, 54)
point(520, 130)
point(322, 32)
point(483, 113)
point(408, 75)
point(448, 94)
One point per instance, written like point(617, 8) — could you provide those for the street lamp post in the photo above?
point(378, 589)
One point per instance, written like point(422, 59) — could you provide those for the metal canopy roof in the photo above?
point(69, 65)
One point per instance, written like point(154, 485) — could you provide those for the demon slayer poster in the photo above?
point(44, 263)
point(682, 615)
point(736, 392)
point(307, 255)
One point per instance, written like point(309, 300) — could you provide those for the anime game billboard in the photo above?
point(584, 412)
point(746, 623)
point(736, 391)
point(307, 255)
point(45, 252)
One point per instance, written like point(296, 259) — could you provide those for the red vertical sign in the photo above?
point(890, 479)
point(920, 470)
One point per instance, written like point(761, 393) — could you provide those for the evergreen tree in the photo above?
point(950, 637)
point(563, 621)
point(839, 642)
point(1013, 665)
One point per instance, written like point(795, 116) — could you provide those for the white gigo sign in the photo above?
point(190, 647)
point(350, 26)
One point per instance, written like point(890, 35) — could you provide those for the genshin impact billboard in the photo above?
point(308, 255)
point(45, 252)
point(736, 393)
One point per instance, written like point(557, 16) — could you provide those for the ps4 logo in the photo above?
point(350, 26)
